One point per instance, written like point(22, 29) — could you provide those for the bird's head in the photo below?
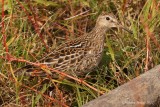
point(109, 21)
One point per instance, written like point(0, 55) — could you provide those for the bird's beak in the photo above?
point(122, 27)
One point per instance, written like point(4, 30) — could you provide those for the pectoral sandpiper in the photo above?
point(80, 55)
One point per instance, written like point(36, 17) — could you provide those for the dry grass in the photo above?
point(32, 29)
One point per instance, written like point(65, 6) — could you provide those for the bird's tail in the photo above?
point(30, 70)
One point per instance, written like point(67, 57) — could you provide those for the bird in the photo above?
point(80, 55)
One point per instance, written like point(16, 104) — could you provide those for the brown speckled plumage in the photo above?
point(81, 55)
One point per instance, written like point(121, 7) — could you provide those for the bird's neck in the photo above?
point(97, 32)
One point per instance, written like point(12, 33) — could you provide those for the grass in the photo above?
point(33, 29)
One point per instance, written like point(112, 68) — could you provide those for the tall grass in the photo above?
point(34, 28)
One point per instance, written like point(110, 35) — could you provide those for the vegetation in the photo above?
point(31, 29)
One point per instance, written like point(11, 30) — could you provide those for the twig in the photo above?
point(34, 24)
point(3, 33)
point(77, 15)
point(42, 66)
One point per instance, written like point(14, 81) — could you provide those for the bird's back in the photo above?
point(73, 57)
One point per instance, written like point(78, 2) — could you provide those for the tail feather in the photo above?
point(30, 70)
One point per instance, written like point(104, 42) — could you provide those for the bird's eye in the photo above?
point(107, 18)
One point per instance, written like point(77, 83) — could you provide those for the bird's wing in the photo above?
point(66, 58)
point(67, 55)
